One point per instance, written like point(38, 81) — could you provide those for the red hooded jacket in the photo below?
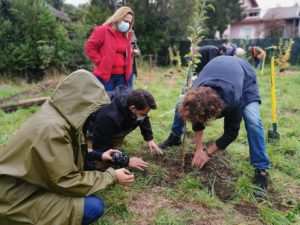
point(101, 49)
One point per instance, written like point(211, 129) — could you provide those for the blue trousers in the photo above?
point(115, 80)
point(256, 137)
point(258, 63)
point(131, 80)
point(93, 209)
point(255, 133)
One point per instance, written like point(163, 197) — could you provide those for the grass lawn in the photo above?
point(170, 191)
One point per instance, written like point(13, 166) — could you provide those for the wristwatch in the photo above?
point(207, 153)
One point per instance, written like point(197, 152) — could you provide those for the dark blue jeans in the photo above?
point(259, 63)
point(93, 209)
point(115, 80)
point(178, 123)
point(131, 80)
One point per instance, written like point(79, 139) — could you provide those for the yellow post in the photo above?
point(273, 134)
point(273, 93)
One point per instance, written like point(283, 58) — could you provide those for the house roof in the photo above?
point(59, 14)
point(254, 3)
point(282, 13)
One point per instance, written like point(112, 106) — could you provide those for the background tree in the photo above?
point(160, 24)
point(283, 53)
point(225, 12)
point(31, 39)
point(274, 29)
point(58, 4)
point(99, 11)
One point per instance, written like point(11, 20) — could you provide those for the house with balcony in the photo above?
point(250, 27)
point(279, 21)
point(284, 20)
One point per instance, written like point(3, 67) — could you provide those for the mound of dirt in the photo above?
point(216, 176)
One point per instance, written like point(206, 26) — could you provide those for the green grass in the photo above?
point(155, 198)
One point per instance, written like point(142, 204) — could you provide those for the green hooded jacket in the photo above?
point(42, 180)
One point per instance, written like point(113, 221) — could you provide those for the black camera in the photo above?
point(121, 159)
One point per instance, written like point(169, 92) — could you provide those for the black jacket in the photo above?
point(235, 81)
point(208, 52)
point(115, 121)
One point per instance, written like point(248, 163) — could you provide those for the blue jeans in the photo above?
point(256, 138)
point(93, 209)
point(259, 63)
point(131, 80)
point(115, 80)
point(178, 123)
point(255, 134)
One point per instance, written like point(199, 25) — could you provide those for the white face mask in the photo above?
point(140, 118)
point(123, 26)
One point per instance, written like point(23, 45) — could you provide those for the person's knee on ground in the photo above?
point(93, 209)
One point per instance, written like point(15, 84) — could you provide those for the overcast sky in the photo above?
point(262, 3)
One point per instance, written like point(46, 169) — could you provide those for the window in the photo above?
point(247, 32)
point(252, 14)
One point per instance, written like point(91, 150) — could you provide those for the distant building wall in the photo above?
point(246, 31)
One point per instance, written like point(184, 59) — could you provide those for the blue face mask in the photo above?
point(123, 26)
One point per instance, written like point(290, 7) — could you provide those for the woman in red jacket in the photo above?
point(109, 48)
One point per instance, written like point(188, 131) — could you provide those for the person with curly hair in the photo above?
point(207, 52)
point(227, 87)
point(201, 104)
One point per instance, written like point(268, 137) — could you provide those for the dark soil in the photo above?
point(247, 209)
point(277, 201)
point(216, 175)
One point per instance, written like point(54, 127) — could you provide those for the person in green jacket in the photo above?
point(41, 169)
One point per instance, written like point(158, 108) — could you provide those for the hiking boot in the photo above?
point(261, 181)
point(171, 141)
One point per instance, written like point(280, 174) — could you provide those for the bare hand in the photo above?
point(124, 177)
point(153, 147)
point(106, 156)
point(200, 159)
point(135, 52)
point(138, 163)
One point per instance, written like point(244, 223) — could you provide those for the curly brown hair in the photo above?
point(201, 105)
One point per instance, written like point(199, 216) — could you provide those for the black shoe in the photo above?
point(261, 181)
point(171, 141)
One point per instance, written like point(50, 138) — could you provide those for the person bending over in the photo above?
point(227, 87)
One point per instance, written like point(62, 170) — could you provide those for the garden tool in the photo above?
point(272, 133)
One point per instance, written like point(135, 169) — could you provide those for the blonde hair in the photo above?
point(118, 16)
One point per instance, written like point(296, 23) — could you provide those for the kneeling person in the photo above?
point(42, 178)
point(110, 124)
